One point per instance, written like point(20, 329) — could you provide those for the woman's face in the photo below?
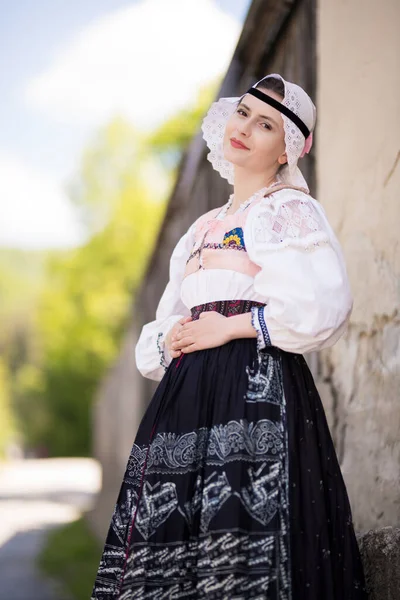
point(259, 127)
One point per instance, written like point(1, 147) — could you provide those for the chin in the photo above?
point(232, 155)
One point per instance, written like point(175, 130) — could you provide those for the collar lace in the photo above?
point(258, 194)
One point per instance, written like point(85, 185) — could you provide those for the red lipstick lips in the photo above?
point(236, 144)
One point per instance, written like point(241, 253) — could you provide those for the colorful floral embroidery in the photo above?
point(228, 308)
point(234, 238)
point(215, 246)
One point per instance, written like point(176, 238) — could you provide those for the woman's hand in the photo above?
point(209, 331)
point(171, 336)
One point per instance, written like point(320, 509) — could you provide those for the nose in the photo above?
point(244, 127)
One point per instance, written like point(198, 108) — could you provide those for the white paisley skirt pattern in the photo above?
point(232, 489)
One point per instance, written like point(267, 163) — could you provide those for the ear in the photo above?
point(282, 160)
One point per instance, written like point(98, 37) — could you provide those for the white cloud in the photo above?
point(35, 212)
point(144, 61)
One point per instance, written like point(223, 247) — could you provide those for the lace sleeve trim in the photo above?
point(285, 221)
point(161, 352)
point(258, 322)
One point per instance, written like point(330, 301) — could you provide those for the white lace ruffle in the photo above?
point(213, 128)
point(287, 219)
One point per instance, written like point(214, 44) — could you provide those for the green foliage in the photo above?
point(59, 351)
point(7, 425)
point(74, 306)
point(22, 274)
point(83, 313)
point(173, 137)
point(72, 555)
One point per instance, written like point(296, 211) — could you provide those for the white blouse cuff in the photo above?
point(163, 353)
point(258, 322)
point(152, 356)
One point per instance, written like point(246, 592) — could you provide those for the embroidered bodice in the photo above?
point(219, 244)
point(279, 250)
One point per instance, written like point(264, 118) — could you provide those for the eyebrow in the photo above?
point(262, 116)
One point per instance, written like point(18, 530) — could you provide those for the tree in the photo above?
point(82, 311)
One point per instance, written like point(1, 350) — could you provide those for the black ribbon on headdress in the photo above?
point(282, 108)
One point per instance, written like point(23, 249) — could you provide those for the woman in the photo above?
point(233, 489)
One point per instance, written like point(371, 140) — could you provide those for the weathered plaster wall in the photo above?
point(358, 175)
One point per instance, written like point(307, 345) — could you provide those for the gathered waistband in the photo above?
point(228, 308)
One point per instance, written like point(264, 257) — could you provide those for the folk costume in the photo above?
point(233, 489)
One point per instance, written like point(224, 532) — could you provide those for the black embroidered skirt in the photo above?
point(232, 489)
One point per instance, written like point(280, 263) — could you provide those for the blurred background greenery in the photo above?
point(64, 311)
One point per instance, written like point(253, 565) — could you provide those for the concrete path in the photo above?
point(36, 495)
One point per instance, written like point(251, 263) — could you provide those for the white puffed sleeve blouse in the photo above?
point(295, 267)
point(303, 274)
point(152, 356)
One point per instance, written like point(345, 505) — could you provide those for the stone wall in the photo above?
point(358, 178)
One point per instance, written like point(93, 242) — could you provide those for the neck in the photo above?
point(247, 184)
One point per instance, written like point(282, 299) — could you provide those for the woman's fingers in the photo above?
point(185, 331)
point(190, 348)
point(184, 320)
point(181, 342)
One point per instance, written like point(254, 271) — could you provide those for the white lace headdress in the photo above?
point(298, 135)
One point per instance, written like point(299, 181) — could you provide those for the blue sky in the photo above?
point(67, 67)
